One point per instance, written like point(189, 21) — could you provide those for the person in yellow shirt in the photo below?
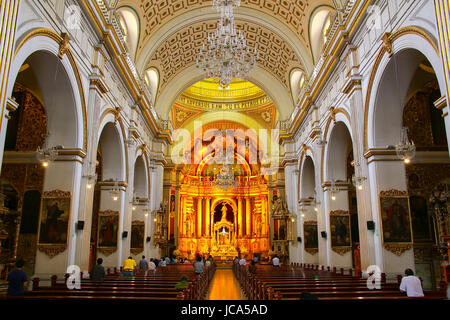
point(129, 267)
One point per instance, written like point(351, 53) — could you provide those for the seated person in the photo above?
point(98, 271)
point(411, 284)
point(129, 266)
point(252, 267)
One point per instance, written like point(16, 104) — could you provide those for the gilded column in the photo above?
point(8, 10)
point(208, 217)
point(199, 217)
point(240, 218)
point(443, 25)
point(248, 217)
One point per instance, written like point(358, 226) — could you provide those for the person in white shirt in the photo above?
point(242, 262)
point(276, 262)
point(411, 284)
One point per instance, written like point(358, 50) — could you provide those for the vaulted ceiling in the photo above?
point(173, 31)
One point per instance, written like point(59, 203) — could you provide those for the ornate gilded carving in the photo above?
point(341, 250)
point(32, 129)
point(64, 45)
point(312, 251)
point(52, 250)
point(136, 251)
point(107, 251)
point(339, 213)
point(387, 44)
point(398, 248)
point(393, 193)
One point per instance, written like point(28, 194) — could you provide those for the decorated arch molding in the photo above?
point(64, 52)
point(306, 152)
point(388, 49)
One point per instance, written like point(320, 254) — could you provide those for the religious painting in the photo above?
point(108, 226)
point(311, 237)
point(396, 221)
point(340, 231)
point(54, 222)
point(137, 236)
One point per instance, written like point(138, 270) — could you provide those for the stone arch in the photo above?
point(45, 44)
point(409, 43)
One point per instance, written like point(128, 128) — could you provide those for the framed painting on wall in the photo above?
point(311, 237)
point(108, 226)
point(137, 237)
point(340, 231)
point(396, 221)
point(54, 222)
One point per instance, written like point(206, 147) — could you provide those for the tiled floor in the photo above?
point(224, 286)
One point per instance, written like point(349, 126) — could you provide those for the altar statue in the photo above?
point(224, 212)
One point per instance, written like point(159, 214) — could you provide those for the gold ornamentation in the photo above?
point(107, 251)
point(398, 248)
point(64, 45)
point(312, 251)
point(136, 251)
point(341, 250)
point(56, 194)
point(339, 213)
point(393, 193)
point(52, 250)
point(387, 44)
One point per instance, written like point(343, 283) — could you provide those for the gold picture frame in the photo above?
point(108, 232)
point(311, 237)
point(54, 222)
point(396, 224)
point(340, 231)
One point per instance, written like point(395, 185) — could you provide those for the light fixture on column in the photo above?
point(358, 182)
point(115, 191)
point(406, 150)
point(91, 175)
point(47, 155)
point(333, 189)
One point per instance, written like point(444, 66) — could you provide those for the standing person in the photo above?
point(198, 265)
point(151, 265)
point(411, 284)
point(17, 280)
point(276, 261)
point(129, 266)
point(143, 264)
point(98, 271)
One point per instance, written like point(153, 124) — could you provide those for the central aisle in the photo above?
point(224, 286)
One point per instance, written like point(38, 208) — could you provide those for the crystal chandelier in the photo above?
point(225, 179)
point(226, 56)
point(406, 150)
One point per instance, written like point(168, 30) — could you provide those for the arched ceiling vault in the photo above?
point(261, 77)
point(172, 32)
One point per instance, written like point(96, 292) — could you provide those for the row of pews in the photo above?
point(289, 282)
point(151, 285)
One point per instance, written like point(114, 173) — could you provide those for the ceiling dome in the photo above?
point(241, 94)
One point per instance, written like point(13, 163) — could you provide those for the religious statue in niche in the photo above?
point(279, 206)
